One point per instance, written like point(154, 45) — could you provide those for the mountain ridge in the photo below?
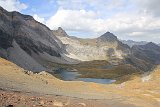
point(132, 43)
point(28, 43)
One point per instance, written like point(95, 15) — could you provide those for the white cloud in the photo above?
point(132, 26)
point(149, 6)
point(78, 20)
point(39, 19)
point(12, 5)
point(94, 4)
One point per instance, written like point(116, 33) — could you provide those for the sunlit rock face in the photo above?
point(105, 47)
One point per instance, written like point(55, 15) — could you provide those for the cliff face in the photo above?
point(27, 42)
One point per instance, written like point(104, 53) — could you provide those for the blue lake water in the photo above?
point(101, 81)
point(73, 76)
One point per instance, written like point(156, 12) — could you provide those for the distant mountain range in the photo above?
point(132, 43)
point(32, 46)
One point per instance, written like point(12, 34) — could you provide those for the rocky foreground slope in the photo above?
point(23, 88)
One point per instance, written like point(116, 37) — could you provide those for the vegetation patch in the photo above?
point(100, 69)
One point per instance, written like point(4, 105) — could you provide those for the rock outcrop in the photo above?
point(60, 32)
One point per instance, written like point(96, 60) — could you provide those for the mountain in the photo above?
point(105, 47)
point(149, 52)
point(132, 43)
point(28, 43)
point(108, 47)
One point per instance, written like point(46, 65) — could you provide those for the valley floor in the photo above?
point(43, 89)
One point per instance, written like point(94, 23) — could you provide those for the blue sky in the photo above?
point(44, 8)
point(128, 19)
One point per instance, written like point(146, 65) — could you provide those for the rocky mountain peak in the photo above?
point(60, 32)
point(110, 37)
point(60, 29)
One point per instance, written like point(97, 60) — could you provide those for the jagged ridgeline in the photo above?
point(32, 45)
